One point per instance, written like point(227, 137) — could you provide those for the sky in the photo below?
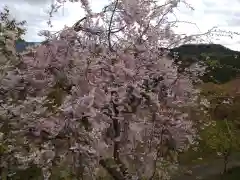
point(207, 13)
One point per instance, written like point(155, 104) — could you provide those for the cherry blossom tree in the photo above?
point(101, 95)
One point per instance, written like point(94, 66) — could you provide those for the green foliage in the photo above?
point(219, 126)
point(62, 173)
point(221, 136)
point(31, 173)
point(213, 63)
point(223, 133)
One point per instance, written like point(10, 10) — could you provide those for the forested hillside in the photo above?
point(223, 63)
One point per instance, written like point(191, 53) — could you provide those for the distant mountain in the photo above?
point(223, 63)
point(22, 45)
point(207, 48)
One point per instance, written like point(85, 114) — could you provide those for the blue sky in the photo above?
point(208, 13)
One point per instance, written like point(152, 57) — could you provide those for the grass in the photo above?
point(232, 174)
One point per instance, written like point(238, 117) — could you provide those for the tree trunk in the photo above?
point(112, 169)
point(226, 159)
point(225, 164)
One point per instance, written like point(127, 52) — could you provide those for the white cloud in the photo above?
point(35, 13)
point(207, 13)
point(210, 13)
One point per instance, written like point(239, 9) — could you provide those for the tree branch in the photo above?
point(109, 28)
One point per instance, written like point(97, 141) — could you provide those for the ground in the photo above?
point(232, 174)
point(211, 170)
